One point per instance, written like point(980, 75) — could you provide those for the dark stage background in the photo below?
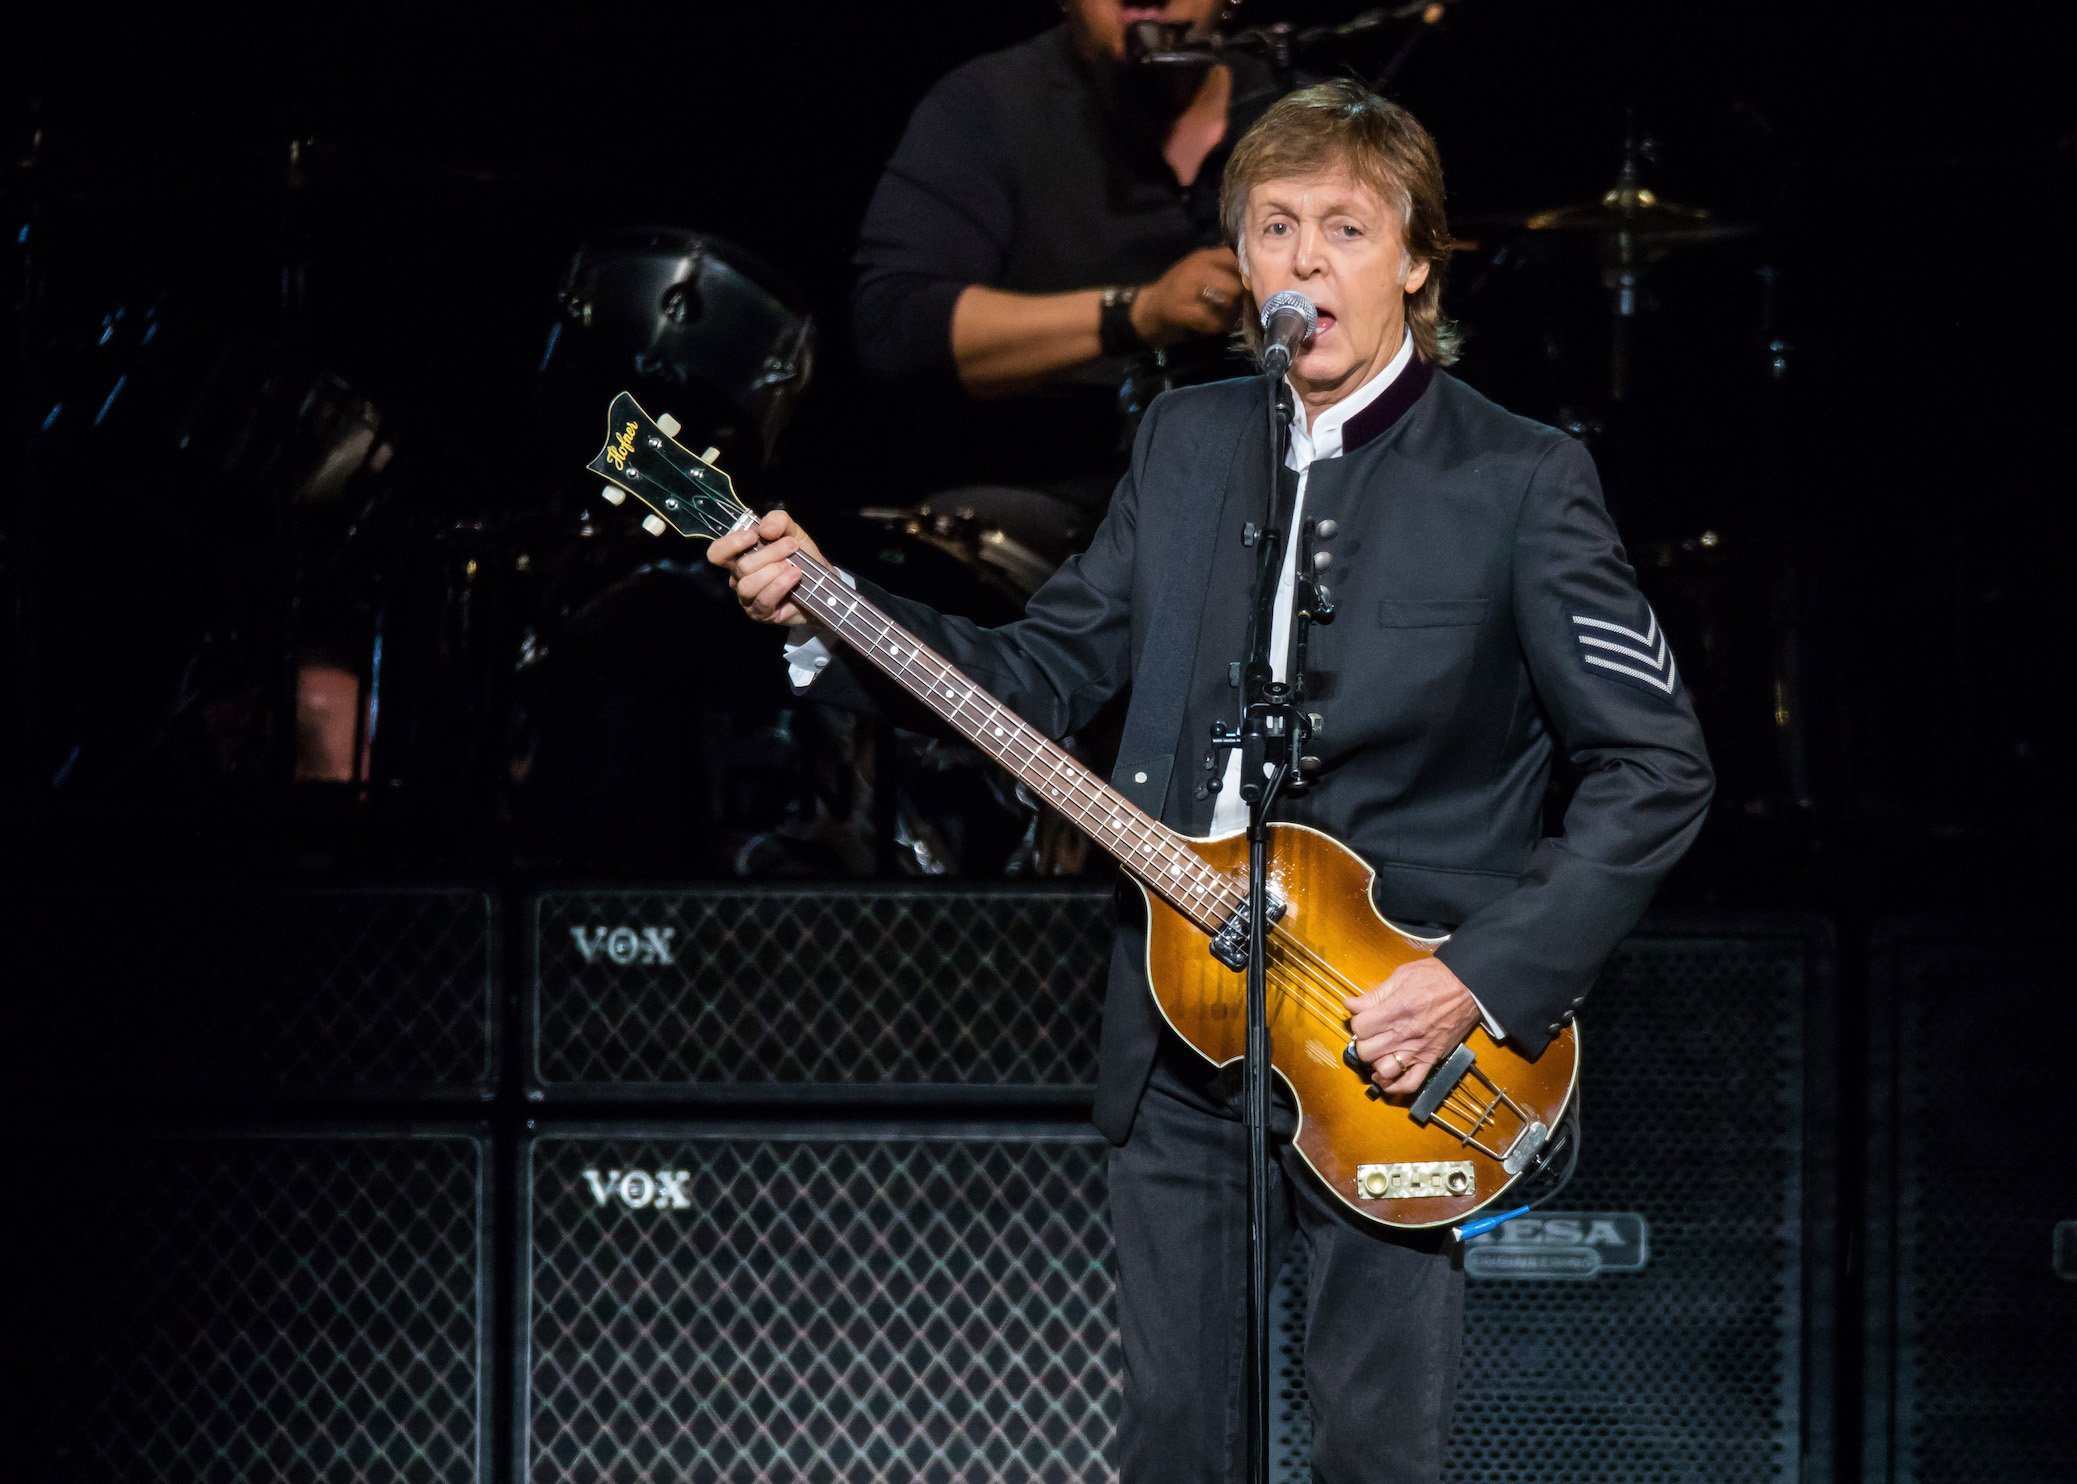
point(1884, 508)
point(1836, 472)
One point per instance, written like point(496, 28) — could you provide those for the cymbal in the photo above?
point(1631, 213)
point(1640, 215)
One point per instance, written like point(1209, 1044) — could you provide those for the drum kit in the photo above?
point(304, 607)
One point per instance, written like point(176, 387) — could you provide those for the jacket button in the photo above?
point(1555, 1028)
point(1325, 531)
point(1322, 561)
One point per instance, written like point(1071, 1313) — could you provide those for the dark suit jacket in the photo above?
point(1485, 617)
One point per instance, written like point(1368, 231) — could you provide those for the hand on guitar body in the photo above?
point(1408, 1024)
point(761, 579)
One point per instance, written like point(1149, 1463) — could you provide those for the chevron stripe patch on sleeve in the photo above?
point(1619, 652)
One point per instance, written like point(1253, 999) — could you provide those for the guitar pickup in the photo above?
point(1230, 942)
point(1415, 1180)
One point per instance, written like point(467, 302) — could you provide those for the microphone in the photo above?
point(1288, 321)
point(1162, 44)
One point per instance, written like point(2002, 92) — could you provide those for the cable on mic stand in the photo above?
point(1271, 739)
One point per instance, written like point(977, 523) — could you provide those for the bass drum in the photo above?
point(691, 325)
point(1006, 541)
point(656, 733)
point(981, 552)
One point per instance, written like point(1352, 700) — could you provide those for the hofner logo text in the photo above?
point(626, 945)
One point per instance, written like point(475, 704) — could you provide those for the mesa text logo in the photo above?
point(1560, 1244)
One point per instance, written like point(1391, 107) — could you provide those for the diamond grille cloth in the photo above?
point(821, 1308)
point(1986, 1329)
point(874, 986)
point(341, 991)
point(265, 1308)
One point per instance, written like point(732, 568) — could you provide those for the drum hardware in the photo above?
point(708, 327)
point(1628, 229)
point(1169, 43)
point(1013, 539)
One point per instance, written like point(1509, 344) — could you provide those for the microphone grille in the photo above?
point(1291, 299)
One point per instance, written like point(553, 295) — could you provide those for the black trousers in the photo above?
point(1384, 1311)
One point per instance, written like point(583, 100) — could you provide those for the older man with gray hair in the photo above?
point(1488, 621)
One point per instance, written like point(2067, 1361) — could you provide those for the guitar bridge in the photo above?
point(1230, 942)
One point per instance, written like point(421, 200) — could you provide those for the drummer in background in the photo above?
point(1040, 256)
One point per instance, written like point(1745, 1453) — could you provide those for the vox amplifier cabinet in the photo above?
point(1667, 1317)
point(1970, 1360)
point(249, 1305)
point(831, 993)
point(300, 993)
point(844, 1302)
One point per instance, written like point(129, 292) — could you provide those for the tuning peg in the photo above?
point(668, 424)
point(613, 494)
point(654, 525)
point(713, 452)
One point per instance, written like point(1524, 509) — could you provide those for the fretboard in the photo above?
point(1144, 846)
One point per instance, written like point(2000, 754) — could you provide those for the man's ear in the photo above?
point(1415, 275)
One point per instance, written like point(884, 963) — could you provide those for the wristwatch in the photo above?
point(1114, 330)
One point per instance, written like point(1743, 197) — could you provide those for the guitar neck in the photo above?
point(1154, 855)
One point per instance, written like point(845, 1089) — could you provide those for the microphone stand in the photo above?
point(1272, 731)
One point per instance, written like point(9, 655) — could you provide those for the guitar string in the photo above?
point(1066, 781)
point(932, 687)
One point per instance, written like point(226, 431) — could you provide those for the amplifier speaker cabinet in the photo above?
point(838, 1302)
point(1970, 1362)
point(1667, 1317)
point(234, 1306)
point(258, 995)
point(829, 993)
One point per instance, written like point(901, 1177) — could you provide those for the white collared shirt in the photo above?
point(1322, 440)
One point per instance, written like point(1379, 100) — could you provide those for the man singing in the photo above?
point(1486, 619)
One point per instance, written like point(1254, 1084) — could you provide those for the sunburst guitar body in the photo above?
point(1498, 1109)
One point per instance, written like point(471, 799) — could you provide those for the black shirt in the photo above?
point(1026, 170)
